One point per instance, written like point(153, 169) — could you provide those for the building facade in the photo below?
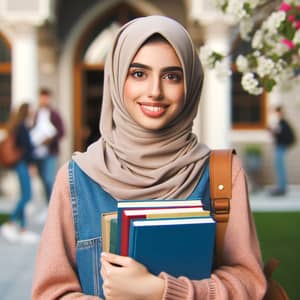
point(61, 44)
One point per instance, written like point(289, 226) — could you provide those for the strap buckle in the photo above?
point(221, 209)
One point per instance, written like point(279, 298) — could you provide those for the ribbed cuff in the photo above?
point(175, 289)
point(184, 288)
point(212, 289)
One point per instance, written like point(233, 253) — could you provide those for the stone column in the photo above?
point(214, 117)
point(24, 65)
point(216, 106)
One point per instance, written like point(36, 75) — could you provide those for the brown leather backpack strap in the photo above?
point(220, 168)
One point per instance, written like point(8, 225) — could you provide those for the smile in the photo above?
point(153, 111)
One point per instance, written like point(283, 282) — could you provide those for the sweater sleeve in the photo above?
point(241, 276)
point(55, 269)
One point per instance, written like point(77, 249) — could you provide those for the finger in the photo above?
point(115, 259)
point(105, 267)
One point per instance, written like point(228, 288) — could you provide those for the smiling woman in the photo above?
point(154, 87)
point(147, 150)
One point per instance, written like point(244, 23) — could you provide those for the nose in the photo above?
point(155, 88)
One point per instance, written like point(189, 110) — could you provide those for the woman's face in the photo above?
point(154, 86)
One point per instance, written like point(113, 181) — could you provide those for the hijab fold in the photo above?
point(131, 162)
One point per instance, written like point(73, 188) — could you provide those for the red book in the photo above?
point(155, 213)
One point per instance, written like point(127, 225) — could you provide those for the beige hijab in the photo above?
point(128, 161)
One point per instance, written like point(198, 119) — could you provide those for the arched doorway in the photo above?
point(5, 79)
point(88, 73)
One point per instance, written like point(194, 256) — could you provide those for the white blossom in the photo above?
point(242, 63)
point(271, 60)
point(206, 56)
point(222, 69)
point(246, 26)
point(236, 9)
point(296, 38)
point(278, 48)
point(250, 84)
point(274, 21)
point(265, 66)
point(257, 40)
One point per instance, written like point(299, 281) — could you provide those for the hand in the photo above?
point(32, 170)
point(126, 279)
point(47, 141)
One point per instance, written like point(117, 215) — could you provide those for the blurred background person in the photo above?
point(283, 136)
point(15, 230)
point(47, 131)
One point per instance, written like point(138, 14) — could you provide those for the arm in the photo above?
point(241, 276)
point(58, 123)
point(55, 270)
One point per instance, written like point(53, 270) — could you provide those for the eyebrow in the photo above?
point(166, 69)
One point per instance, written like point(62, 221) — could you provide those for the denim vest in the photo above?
point(89, 201)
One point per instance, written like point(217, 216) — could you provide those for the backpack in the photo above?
point(288, 135)
point(220, 168)
point(10, 154)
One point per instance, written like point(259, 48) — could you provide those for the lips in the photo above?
point(153, 110)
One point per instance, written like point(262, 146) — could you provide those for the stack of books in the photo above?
point(175, 236)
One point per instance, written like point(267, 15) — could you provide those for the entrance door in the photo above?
point(92, 94)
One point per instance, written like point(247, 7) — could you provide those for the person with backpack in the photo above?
point(283, 137)
point(15, 230)
point(147, 150)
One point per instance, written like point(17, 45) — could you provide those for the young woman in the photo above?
point(16, 229)
point(153, 80)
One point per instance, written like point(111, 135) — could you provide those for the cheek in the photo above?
point(126, 91)
point(132, 90)
point(178, 96)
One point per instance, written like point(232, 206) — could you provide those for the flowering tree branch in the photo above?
point(272, 28)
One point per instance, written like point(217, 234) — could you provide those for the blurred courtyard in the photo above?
point(62, 45)
point(17, 260)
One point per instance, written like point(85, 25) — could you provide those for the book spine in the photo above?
point(125, 231)
point(113, 236)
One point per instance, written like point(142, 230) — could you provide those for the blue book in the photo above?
point(180, 247)
point(138, 204)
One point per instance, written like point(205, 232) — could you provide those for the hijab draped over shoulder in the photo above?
point(131, 162)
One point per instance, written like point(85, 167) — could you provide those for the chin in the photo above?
point(152, 127)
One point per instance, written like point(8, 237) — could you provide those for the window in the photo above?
point(248, 111)
point(5, 79)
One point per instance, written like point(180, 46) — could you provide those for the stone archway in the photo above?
point(68, 92)
point(88, 70)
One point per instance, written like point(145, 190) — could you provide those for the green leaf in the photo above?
point(287, 29)
point(247, 8)
point(224, 7)
point(252, 60)
point(268, 84)
point(217, 56)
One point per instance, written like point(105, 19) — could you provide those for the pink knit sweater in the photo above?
point(240, 278)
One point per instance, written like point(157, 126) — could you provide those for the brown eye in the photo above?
point(173, 77)
point(137, 74)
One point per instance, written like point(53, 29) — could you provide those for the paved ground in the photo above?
point(17, 261)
